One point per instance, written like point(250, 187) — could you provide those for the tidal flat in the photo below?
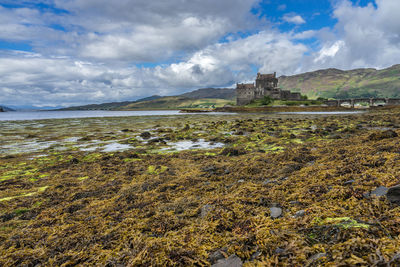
point(258, 189)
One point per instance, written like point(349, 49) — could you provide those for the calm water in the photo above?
point(41, 115)
point(321, 112)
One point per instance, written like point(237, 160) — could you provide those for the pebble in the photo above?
point(317, 257)
point(276, 212)
point(205, 210)
point(349, 182)
point(231, 261)
point(300, 213)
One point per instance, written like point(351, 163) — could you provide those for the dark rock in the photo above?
point(211, 169)
point(382, 135)
point(28, 215)
point(255, 255)
point(145, 135)
point(157, 140)
point(275, 212)
point(74, 161)
point(393, 194)
point(230, 151)
point(7, 216)
point(279, 251)
point(349, 182)
point(380, 191)
point(231, 261)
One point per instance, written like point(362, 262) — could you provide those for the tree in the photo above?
point(266, 101)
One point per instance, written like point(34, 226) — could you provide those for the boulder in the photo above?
point(393, 194)
point(379, 191)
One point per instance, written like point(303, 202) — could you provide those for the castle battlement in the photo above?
point(265, 85)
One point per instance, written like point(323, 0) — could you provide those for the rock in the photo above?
point(230, 151)
point(275, 212)
point(205, 210)
point(393, 194)
point(240, 181)
point(316, 257)
point(231, 261)
point(217, 255)
point(145, 135)
point(74, 161)
point(349, 182)
point(382, 135)
point(280, 251)
point(255, 255)
point(299, 213)
point(380, 191)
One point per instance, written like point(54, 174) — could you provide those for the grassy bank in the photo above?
point(64, 201)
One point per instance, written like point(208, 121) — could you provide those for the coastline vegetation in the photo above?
point(288, 190)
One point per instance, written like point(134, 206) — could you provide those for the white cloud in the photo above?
point(93, 59)
point(328, 51)
point(366, 36)
point(44, 80)
point(293, 18)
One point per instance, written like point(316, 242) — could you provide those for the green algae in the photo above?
point(344, 222)
point(39, 190)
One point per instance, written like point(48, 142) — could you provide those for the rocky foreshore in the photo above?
point(227, 190)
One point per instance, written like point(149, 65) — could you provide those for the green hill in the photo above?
point(177, 102)
point(200, 98)
point(334, 83)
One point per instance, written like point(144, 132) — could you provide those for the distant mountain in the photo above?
point(104, 106)
point(153, 97)
point(178, 102)
point(221, 93)
point(4, 109)
point(334, 83)
point(204, 97)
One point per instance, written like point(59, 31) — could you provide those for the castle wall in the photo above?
point(244, 96)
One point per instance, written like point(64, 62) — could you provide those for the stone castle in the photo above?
point(266, 85)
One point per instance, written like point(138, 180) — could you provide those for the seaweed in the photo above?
point(197, 207)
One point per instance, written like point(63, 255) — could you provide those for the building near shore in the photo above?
point(265, 85)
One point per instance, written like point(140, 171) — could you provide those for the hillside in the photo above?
point(204, 97)
point(177, 102)
point(334, 83)
point(221, 93)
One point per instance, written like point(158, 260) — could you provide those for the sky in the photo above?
point(58, 53)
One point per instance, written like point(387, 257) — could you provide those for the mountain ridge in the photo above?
point(339, 84)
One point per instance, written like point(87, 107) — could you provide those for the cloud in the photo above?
point(282, 7)
point(131, 31)
point(29, 78)
point(87, 52)
point(293, 18)
point(366, 36)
